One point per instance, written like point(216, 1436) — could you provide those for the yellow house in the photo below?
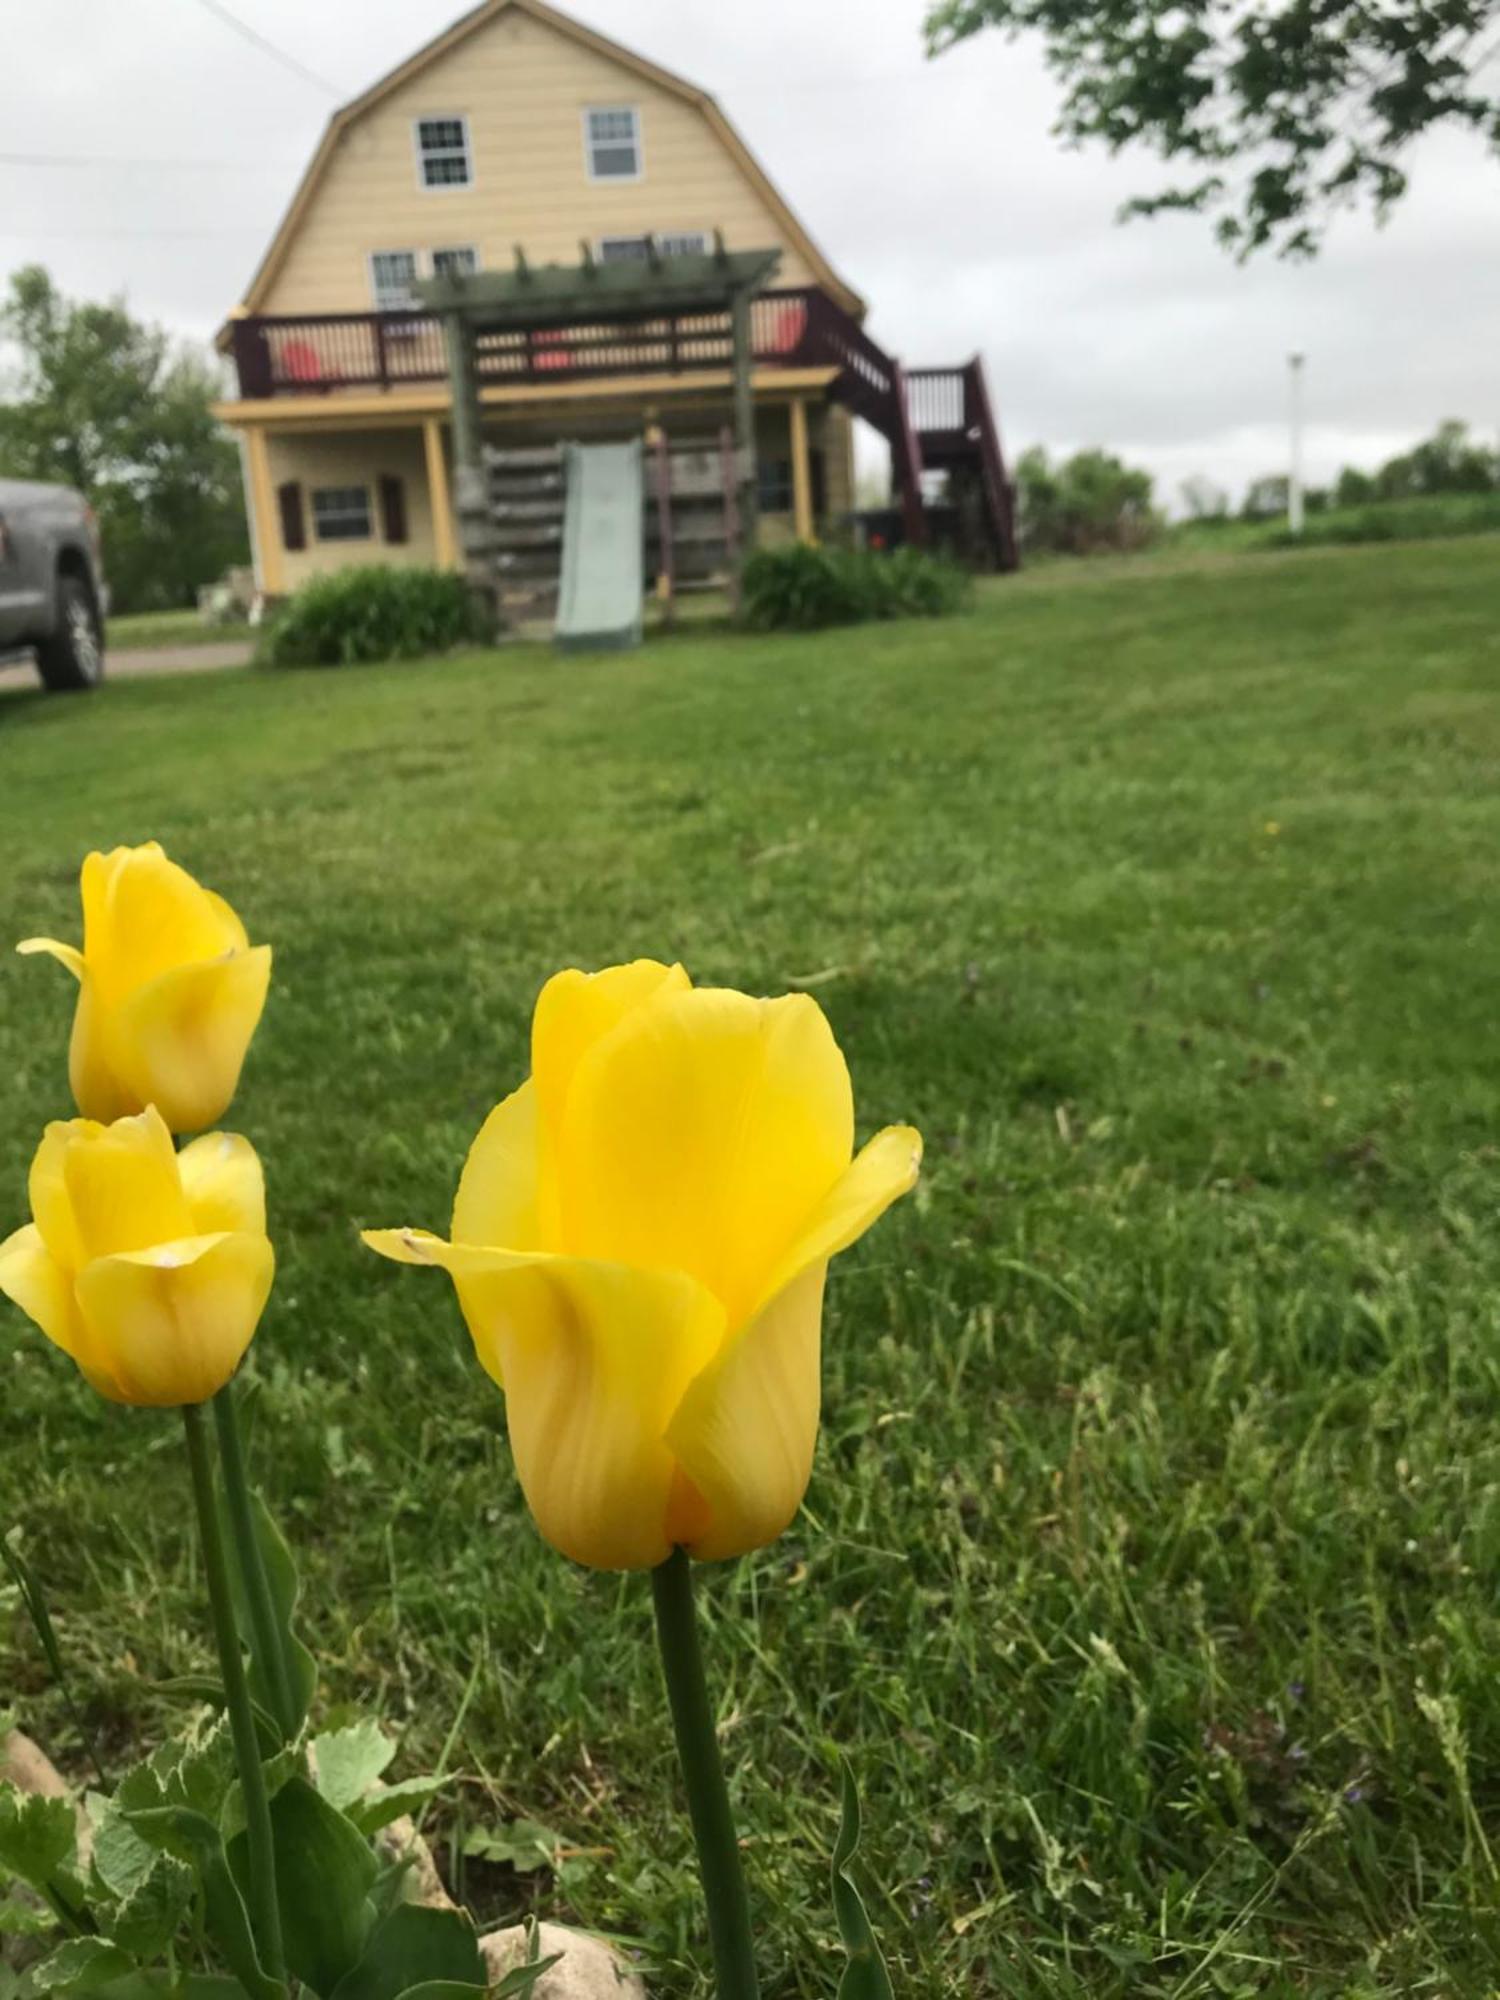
point(520, 131)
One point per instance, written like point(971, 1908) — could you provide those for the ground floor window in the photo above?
point(774, 490)
point(341, 513)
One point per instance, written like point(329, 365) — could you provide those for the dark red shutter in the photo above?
point(392, 508)
point(293, 531)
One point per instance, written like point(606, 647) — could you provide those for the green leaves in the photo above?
point(38, 1837)
point(347, 1762)
point(415, 1950)
point(325, 1872)
point(80, 1966)
point(282, 1673)
point(865, 1976)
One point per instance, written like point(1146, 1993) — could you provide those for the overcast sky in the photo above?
point(936, 188)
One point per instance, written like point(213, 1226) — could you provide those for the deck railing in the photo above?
point(313, 353)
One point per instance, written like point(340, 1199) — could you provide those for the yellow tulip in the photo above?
point(150, 1267)
point(639, 1245)
point(170, 991)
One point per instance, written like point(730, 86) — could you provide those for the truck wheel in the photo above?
point(74, 655)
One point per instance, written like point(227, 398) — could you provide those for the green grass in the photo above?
point(1436, 516)
point(140, 631)
point(1149, 1568)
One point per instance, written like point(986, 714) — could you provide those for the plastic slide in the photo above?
point(599, 598)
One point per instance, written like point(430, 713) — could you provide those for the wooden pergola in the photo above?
point(589, 299)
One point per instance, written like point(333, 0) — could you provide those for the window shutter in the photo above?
point(293, 531)
point(392, 508)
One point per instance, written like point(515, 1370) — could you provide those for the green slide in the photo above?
point(599, 599)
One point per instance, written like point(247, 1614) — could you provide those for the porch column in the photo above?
point(445, 542)
point(272, 577)
point(475, 529)
point(802, 496)
point(744, 418)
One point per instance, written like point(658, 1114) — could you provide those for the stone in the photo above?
point(29, 1769)
point(589, 1969)
point(421, 1883)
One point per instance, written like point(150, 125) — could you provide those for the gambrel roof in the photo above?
point(471, 23)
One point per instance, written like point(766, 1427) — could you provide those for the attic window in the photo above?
point(613, 133)
point(443, 152)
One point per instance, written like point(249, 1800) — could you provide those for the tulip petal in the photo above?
point(144, 915)
point(594, 1358)
point(746, 1430)
point(34, 1280)
point(497, 1194)
point(97, 1090)
point(65, 954)
point(701, 1136)
point(747, 1426)
point(51, 1209)
point(180, 1041)
point(124, 1188)
point(576, 1011)
point(224, 1184)
point(175, 1320)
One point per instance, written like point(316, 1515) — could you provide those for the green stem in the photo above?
point(266, 1913)
point(703, 1775)
point(250, 1563)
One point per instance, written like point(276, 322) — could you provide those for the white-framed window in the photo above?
point(392, 275)
point(341, 513)
point(636, 249)
point(458, 260)
point(612, 142)
point(444, 159)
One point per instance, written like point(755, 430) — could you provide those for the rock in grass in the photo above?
point(421, 1883)
point(588, 1969)
point(29, 1769)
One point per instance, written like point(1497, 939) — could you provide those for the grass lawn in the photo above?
point(1149, 1569)
point(141, 631)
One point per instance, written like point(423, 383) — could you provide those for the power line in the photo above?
point(122, 160)
point(257, 40)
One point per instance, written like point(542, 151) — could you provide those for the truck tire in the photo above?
point(73, 657)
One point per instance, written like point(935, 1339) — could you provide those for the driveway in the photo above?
point(151, 660)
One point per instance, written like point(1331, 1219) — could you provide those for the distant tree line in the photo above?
point(1451, 461)
point(100, 401)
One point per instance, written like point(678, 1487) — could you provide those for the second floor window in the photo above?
point(613, 134)
point(636, 249)
point(462, 261)
point(392, 275)
point(443, 152)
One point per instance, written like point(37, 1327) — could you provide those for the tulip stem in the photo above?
point(248, 1560)
point(703, 1776)
point(265, 1909)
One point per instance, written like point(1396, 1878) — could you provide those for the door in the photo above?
point(25, 576)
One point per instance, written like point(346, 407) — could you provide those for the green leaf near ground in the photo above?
point(415, 1947)
point(865, 1976)
point(348, 1762)
point(38, 1837)
point(387, 1803)
point(82, 1965)
point(325, 1872)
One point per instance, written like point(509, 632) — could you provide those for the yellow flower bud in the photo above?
point(149, 1267)
point(639, 1245)
point(170, 991)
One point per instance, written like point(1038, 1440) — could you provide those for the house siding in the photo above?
point(523, 87)
point(354, 458)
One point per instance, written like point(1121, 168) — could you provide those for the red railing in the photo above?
point(312, 353)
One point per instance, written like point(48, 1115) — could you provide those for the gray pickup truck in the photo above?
point(52, 591)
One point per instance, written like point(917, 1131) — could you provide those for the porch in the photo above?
point(933, 419)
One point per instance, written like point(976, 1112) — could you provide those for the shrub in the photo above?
point(371, 613)
point(1083, 505)
point(1397, 521)
point(803, 589)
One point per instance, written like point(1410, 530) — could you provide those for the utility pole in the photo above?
point(1294, 480)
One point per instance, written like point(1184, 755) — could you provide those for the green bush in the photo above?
point(372, 613)
point(1397, 521)
point(803, 589)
